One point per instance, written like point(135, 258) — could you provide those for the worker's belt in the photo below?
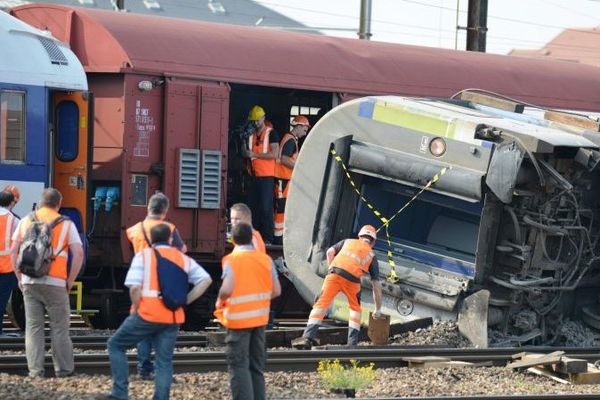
point(344, 274)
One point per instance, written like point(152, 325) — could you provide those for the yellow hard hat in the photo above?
point(256, 113)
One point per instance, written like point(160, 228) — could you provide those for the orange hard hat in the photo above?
point(368, 230)
point(14, 190)
point(300, 120)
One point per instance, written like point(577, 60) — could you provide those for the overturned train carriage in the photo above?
point(505, 232)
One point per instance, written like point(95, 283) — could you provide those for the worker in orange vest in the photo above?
point(348, 260)
point(50, 293)
point(240, 213)
point(150, 317)
point(139, 236)
point(249, 283)
point(288, 152)
point(8, 224)
point(262, 149)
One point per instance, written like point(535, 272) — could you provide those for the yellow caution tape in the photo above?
point(435, 178)
point(393, 276)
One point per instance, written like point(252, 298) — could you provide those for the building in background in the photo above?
point(580, 45)
point(237, 12)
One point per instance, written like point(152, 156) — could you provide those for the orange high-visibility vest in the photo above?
point(257, 242)
point(7, 221)
point(135, 234)
point(151, 307)
point(355, 257)
point(60, 240)
point(250, 301)
point(283, 171)
point(260, 144)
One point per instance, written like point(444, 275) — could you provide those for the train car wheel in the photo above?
point(16, 309)
point(106, 318)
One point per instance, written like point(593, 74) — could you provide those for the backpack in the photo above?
point(172, 282)
point(36, 253)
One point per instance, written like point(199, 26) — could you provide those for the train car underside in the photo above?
point(500, 231)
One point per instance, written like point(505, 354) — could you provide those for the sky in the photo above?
point(512, 24)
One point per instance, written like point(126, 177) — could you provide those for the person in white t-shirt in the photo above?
point(49, 294)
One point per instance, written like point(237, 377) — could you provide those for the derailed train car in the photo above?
point(491, 215)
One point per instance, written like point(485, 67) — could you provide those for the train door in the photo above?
point(71, 154)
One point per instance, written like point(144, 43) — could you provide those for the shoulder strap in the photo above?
point(145, 235)
point(58, 221)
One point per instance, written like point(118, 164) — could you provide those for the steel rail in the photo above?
point(551, 396)
point(96, 342)
point(302, 360)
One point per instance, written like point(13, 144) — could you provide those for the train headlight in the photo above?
point(437, 147)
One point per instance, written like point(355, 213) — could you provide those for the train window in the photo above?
point(304, 110)
point(12, 126)
point(432, 224)
point(67, 131)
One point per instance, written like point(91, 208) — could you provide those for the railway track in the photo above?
point(304, 360)
point(505, 397)
point(96, 342)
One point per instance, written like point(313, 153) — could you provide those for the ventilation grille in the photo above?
point(189, 179)
point(211, 179)
point(56, 55)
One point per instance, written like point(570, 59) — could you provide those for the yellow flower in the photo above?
point(353, 376)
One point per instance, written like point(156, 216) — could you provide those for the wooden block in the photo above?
point(492, 101)
point(535, 360)
point(573, 120)
point(543, 372)
point(591, 377)
point(570, 366)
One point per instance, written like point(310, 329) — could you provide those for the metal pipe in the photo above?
point(364, 29)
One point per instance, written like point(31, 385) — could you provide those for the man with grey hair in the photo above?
point(139, 236)
point(50, 293)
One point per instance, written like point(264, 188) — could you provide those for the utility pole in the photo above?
point(477, 25)
point(364, 29)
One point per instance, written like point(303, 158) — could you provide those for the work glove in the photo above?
point(378, 315)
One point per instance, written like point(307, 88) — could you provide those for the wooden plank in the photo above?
point(492, 101)
point(425, 359)
point(443, 364)
point(534, 360)
point(573, 120)
point(547, 374)
point(570, 366)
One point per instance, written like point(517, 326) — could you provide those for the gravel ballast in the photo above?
point(393, 382)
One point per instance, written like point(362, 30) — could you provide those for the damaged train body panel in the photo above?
point(509, 208)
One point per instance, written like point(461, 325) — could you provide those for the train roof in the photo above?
point(32, 57)
point(113, 42)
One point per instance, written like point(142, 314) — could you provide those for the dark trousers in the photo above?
point(260, 201)
point(246, 358)
point(8, 282)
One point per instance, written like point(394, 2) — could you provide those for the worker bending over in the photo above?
point(348, 260)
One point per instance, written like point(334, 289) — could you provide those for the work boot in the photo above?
point(303, 343)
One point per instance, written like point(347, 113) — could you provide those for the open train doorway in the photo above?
point(280, 105)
